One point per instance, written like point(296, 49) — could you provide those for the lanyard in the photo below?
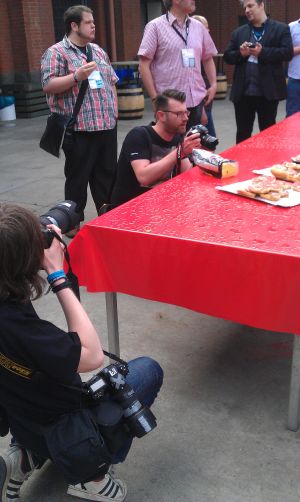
point(178, 32)
point(258, 34)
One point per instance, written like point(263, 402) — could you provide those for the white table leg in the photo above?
point(112, 323)
point(294, 402)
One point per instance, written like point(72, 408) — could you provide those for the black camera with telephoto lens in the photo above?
point(206, 140)
point(63, 215)
point(138, 419)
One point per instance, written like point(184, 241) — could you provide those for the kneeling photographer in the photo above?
point(155, 153)
point(83, 428)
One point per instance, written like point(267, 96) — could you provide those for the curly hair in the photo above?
point(21, 254)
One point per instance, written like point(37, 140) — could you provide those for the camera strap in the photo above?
point(115, 358)
point(82, 91)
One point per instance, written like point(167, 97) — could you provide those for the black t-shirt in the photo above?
point(140, 143)
point(41, 346)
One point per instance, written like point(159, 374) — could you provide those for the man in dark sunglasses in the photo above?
point(157, 152)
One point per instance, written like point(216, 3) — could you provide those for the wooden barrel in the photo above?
point(221, 86)
point(131, 102)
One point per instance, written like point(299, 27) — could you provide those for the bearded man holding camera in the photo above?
point(155, 153)
point(40, 385)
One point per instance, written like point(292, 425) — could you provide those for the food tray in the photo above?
point(292, 200)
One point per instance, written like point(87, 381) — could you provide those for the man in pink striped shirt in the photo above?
point(171, 52)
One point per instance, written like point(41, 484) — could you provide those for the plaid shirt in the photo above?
point(163, 46)
point(98, 111)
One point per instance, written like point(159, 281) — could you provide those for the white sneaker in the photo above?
point(16, 465)
point(109, 489)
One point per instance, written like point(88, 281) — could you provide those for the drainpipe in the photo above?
point(112, 30)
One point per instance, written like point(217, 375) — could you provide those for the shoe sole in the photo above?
point(91, 496)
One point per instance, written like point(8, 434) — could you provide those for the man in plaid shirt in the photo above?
point(92, 157)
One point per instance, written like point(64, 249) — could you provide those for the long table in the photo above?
point(188, 244)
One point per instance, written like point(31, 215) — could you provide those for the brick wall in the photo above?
point(128, 28)
point(26, 29)
point(6, 50)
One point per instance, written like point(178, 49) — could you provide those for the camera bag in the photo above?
point(59, 127)
point(76, 446)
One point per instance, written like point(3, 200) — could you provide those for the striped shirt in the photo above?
point(163, 45)
point(98, 111)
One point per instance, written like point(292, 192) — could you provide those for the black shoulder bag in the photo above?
point(59, 128)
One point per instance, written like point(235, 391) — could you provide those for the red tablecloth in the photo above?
point(188, 244)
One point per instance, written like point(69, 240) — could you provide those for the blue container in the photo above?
point(6, 101)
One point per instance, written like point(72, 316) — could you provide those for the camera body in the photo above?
point(251, 45)
point(138, 419)
point(63, 215)
point(206, 140)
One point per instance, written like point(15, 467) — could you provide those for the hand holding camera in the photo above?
point(206, 140)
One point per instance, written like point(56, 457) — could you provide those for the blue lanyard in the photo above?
point(258, 34)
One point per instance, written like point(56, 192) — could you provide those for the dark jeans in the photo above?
point(245, 110)
point(210, 123)
point(145, 377)
point(195, 115)
point(91, 160)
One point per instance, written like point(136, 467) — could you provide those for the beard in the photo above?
point(85, 37)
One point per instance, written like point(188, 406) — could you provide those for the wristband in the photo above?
point(75, 78)
point(57, 279)
point(58, 274)
point(63, 285)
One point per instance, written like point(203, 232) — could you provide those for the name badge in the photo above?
point(188, 58)
point(95, 80)
point(253, 59)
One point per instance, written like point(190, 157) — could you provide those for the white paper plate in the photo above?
point(292, 200)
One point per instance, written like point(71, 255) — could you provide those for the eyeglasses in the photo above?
point(179, 115)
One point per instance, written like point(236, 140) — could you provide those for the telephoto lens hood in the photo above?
point(63, 215)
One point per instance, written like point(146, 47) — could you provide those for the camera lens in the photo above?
point(209, 142)
point(63, 215)
point(139, 419)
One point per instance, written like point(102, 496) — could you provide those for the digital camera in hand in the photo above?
point(138, 418)
point(63, 215)
point(206, 140)
point(251, 45)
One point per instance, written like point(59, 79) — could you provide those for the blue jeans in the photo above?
point(293, 97)
point(145, 377)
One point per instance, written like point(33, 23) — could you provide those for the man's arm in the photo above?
point(56, 85)
point(146, 75)
point(233, 54)
point(148, 173)
point(210, 70)
point(91, 356)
